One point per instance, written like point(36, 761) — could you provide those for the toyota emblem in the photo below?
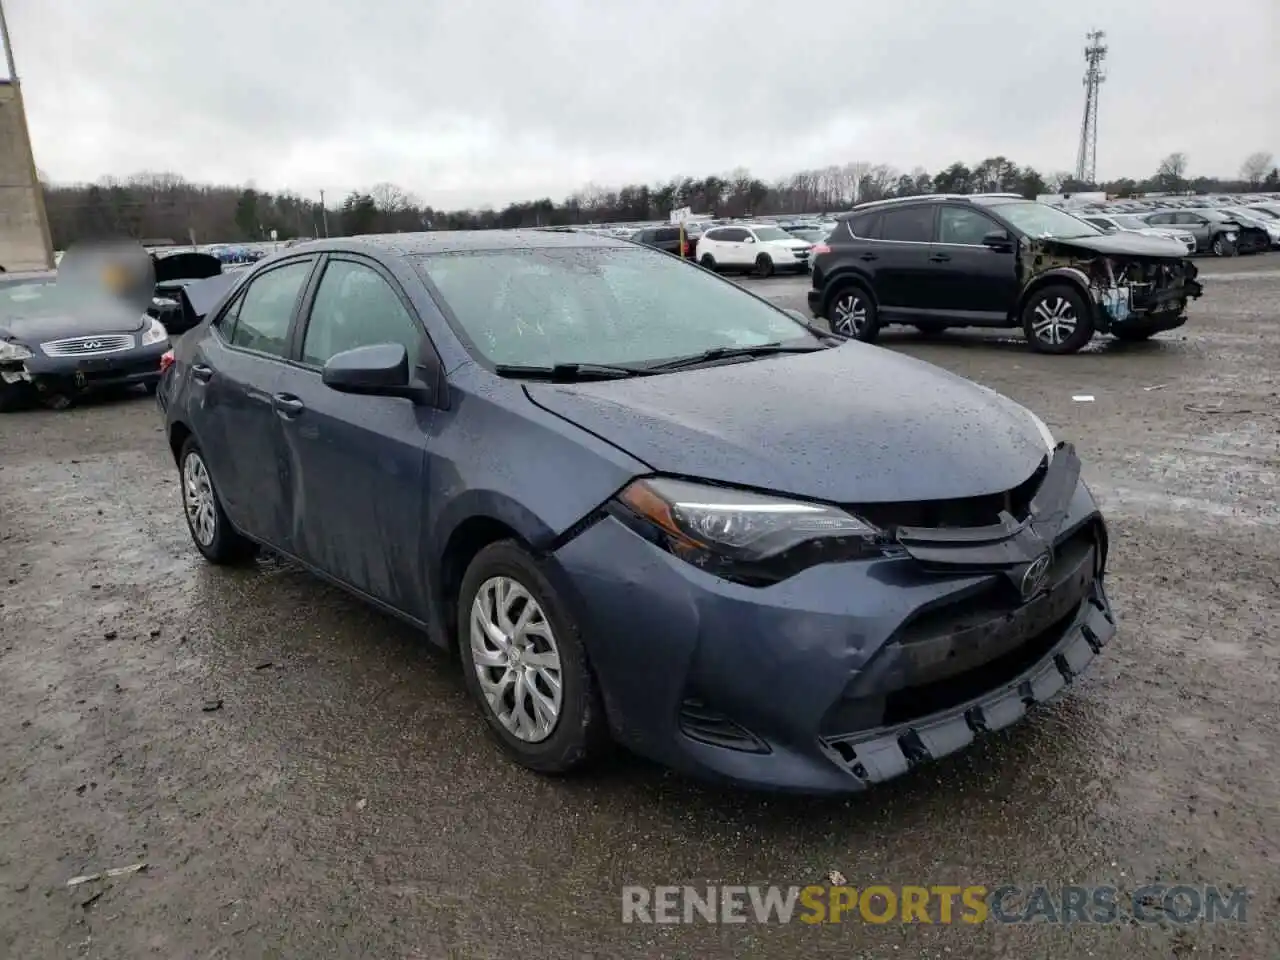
point(1036, 576)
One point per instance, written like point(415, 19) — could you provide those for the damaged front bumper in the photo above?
point(845, 674)
point(40, 374)
point(1147, 296)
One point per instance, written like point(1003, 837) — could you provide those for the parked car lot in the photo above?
point(297, 769)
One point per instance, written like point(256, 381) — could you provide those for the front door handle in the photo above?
point(940, 258)
point(201, 372)
point(287, 405)
point(869, 256)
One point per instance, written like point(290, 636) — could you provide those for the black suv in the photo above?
point(996, 260)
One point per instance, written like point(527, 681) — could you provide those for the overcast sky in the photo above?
point(469, 102)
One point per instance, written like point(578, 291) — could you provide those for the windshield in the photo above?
point(602, 305)
point(770, 234)
point(1041, 220)
point(1130, 222)
point(1265, 214)
point(43, 297)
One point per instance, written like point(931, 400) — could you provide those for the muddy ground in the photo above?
point(303, 778)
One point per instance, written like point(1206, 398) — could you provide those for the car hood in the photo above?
point(1123, 244)
point(795, 243)
point(40, 329)
point(852, 424)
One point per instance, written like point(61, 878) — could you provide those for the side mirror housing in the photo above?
point(749, 240)
point(379, 370)
point(997, 240)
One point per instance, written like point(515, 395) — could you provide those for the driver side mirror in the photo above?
point(749, 240)
point(997, 240)
point(379, 370)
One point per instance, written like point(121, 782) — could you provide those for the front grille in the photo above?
point(980, 511)
point(88, 346)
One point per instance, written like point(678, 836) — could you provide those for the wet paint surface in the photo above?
point(117, 644)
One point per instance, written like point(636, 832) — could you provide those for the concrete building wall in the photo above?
point(22, 239)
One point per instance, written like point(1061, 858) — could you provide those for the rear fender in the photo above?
point(843, 277)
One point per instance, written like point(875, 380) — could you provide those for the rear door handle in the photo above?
point(869, 256)
point(287, 405)
point(940, 258)
point(201, 372)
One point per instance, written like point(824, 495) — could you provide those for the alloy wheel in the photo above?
point(516, 659)
point(197, 499)
point(1055, 320)
point(850, 315)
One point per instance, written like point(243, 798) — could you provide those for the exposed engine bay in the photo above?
point(1129, 289)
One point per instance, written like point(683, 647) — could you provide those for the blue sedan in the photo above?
point(644, 505)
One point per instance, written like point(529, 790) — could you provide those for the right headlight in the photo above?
point(742, 535)
point(13, 352)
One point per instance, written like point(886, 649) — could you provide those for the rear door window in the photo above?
point(866, 226)
point(266, 309)
point(910, 225)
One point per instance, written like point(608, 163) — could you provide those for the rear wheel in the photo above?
point(210, 530)
point(764, 265)
point(852, 313)
point(1056, 319)
point(525, 663)
point(708, 261)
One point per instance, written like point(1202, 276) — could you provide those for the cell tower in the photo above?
point(1087, 159)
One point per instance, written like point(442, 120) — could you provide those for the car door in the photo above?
point(968, 279)
point(1198, 225)
point(902, 264)
point(235, 370)
point(356, 462)
point(734, 247)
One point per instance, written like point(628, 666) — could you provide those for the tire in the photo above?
point(578, 732)
point(1222, 247)
point(708, 262)
point(200, 504)
point(1062, 316)
point(56, 401)
point(764, 266)
point(852, 313)
point(1132, 334)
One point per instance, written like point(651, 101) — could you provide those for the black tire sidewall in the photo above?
point(708, 262)
point(1084, 319)
point(871, 330)
point(581, 731)
point(764, 266)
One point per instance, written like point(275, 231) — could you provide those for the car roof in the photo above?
point(459, 241)
point(986, 199)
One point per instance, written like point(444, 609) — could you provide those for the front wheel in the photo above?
point(1222, 247)
point(852, 314)
point(764, 266)
point(1056, 319)
point(211, 532)
point(525, 663)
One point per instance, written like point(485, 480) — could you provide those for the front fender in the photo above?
point(1072, 275)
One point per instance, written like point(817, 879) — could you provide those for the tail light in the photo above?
point(819, 248)
point(166, 360)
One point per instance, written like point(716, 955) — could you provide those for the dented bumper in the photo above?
point(845, 674)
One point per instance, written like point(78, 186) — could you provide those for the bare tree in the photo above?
point(388, 198)
point(1172, 172)
point(1256, 166)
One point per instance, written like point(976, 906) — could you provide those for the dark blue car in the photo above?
point(645, 505)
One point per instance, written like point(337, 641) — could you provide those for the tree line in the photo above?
point(166, 207)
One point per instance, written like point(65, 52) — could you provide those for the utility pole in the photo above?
point(324, 214)
point(1087, 158)
point(37, 189)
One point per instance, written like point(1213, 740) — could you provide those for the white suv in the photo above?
point(753, 246)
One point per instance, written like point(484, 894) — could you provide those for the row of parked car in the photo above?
point(1249, 225)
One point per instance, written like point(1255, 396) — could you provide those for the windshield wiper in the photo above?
point(727, 353)
point(567, 371)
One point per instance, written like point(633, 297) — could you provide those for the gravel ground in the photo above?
point(304, 778)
